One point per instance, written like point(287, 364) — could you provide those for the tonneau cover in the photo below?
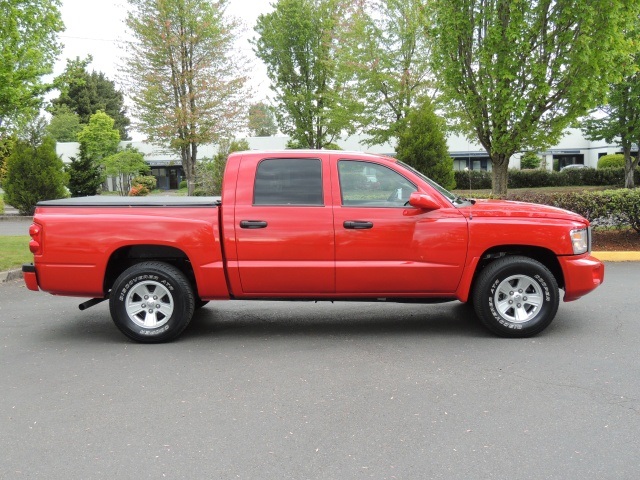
point(152, 201)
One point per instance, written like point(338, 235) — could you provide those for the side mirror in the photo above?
point(423, 200)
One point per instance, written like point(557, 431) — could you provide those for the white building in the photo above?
point(573, 148)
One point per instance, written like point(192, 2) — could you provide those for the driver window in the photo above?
point(366, 184)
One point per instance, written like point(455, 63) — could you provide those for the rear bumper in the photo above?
point(582, 274)
point(30, 276)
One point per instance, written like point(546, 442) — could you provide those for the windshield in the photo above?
point(450, 196)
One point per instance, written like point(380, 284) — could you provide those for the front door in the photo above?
point(386, 247)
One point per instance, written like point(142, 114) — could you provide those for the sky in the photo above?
point(97, 26)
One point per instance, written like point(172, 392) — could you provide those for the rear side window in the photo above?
point(288, 182)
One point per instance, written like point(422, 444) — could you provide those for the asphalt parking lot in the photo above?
point(270, 390)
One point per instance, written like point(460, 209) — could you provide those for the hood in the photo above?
point(510, 209)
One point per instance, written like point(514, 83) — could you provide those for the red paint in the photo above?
point(425, 248)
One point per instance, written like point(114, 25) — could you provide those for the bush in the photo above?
point(615, 160)
point(423, 146)
point(138, 191)
point(34, 173)
point(530, 160)
point(472, 179)
point(605, 177)
point(147, 181)
point(182, 185)
point(621, 206)
point(1, 205)
point(85, 178)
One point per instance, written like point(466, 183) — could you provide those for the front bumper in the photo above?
point(582, 274)
point(30, 276)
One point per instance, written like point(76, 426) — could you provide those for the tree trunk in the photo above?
point(630, 165)
point(499, 174)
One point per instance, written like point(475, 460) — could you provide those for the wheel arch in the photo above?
point(126, 256)
point(540, 254)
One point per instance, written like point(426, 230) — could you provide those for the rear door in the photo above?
point(284, 226)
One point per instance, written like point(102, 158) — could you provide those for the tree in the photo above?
point(125, 165)
point(384, 56)
point(99, 138)
point(621, 121)
point(297, 43)
point(187, 83)
point(34, 173)
point(85, 177)
point(261, 120)
point(87, 93)
point(211, 171)
point(516, 74)
point(64, 125)
point(529, 160)
point(28, 49)
point(423, 145)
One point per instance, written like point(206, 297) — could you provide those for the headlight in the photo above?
point(580, 240)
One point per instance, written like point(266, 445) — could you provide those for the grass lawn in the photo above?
point(14, 251)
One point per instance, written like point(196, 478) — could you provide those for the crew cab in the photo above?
point(311, 225)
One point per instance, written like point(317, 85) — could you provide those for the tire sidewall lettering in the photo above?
point(134, 281)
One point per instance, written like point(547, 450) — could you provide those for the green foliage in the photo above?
point(621, 121)
point(64, 125)
point(1, 204)
point(125, 165)
point(184, 75)
point(182, 185)
point(262, 122)
point(147, 181)
point(622, 205)
point(34, 173)
point(615, 160)
point(85, 94)
point(85, 178)
point(98, 138)
point(28, 50)
point(530, 160)
point(142, 185)
point(210, 172)
point(516, 74)
point(541, 178)
point(383, 56)
point(297, 43)
point(423, 146)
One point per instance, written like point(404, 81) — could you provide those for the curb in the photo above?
point(617, 256)
point(602, 256)
point(10, 275)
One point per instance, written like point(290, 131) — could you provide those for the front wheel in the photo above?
point(151, 302)
point(516, 297)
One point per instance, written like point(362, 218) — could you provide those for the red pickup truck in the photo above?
point(312, 225)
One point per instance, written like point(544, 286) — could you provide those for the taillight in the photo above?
point(35, 245)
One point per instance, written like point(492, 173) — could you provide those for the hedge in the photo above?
point(612, 207)
point(481, 180)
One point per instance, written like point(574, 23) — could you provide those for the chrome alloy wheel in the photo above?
point(149, 304)
point(518, 299)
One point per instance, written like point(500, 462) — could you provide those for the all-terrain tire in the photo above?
point(151, 302)
point(516, 296)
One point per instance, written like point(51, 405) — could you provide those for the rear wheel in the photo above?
point(151, 302)
point(516, 297)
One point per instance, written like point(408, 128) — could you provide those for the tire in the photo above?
point(169, 314)
point(516, 297)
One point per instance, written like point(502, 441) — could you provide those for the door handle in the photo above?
point(253, 224)
point(357, 225)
